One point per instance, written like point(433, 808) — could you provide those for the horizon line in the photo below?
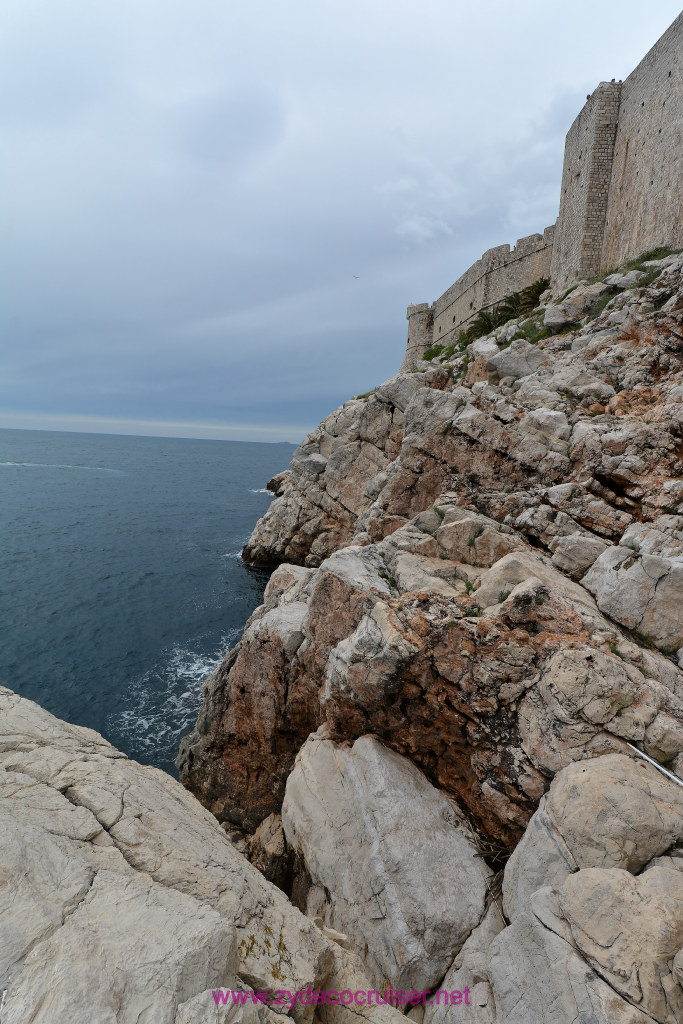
point(80, 424)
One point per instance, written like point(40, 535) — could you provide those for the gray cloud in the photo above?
point(192, 189)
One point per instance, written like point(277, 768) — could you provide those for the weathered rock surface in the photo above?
point(388, 858)
point(583, 942)
point(455, 643)
point(576, 825)
point(579, 301)
point(617, 383)
point(489, 589)
point(121, 898)
point(639, 583)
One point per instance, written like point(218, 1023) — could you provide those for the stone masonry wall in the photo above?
point(645, 206)
point(586, 175)
point(420, 333)
point(622, 194)
point(622, 182)
point(498, 273)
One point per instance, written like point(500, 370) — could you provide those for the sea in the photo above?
point(121, 581)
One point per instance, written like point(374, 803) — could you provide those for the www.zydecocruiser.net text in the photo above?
point(361, 997)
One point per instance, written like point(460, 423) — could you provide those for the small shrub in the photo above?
point(503, 596)
point(532, 331)
point(433, 352)
point(469, 586)
point(439, 511)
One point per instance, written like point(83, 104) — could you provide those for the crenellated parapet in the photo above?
point(500, 272)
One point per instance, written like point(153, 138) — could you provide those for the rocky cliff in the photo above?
point(452, 735)
point(473, 635)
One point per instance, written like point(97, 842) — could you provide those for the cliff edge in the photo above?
point(479, 642)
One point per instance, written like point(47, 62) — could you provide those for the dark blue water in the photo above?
point(121, 581)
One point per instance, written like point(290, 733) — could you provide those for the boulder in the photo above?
point(576, 304)
point(627, 280)
point(518, 360)
point(122, 897)
point(536, 973)
point(639, 583)
point(390, 861)
point(575, 553)
point(630, 930)
point(576, 827)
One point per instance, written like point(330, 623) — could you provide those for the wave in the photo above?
point(261, 490)
point(162, 705)
point(65, 465)
point(236, 555)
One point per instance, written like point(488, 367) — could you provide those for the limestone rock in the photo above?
point(576, 303)
point(121, 893)
point(467, 975)
point(536, 973)
point(409, 638)
point(268, 851)
point(630, 929)
point(587, 939)
point(576, 825)
point(575, 554)
point(202, 1009)
point(625, 280)
point(390, 862)
point(453, 543)
point(640, 583)
point(519, 360)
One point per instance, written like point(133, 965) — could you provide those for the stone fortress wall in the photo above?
point(586, 177)
point(645, 206)
point(498, 273)
point(621, 194)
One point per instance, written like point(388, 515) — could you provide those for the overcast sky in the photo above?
point(217, 212)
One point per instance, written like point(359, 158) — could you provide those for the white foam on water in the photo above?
point(261, 490)
point(237, 555)
point(162, 705)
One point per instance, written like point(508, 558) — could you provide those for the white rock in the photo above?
point(391, 864)
point(518, 360)
point(641, 590)
point(547, 424)
point(537, 975)
point(625, 280)
point(482, 347)
point(575, 825)
point(629, 929)
point(119, 892)
point(575, 553)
